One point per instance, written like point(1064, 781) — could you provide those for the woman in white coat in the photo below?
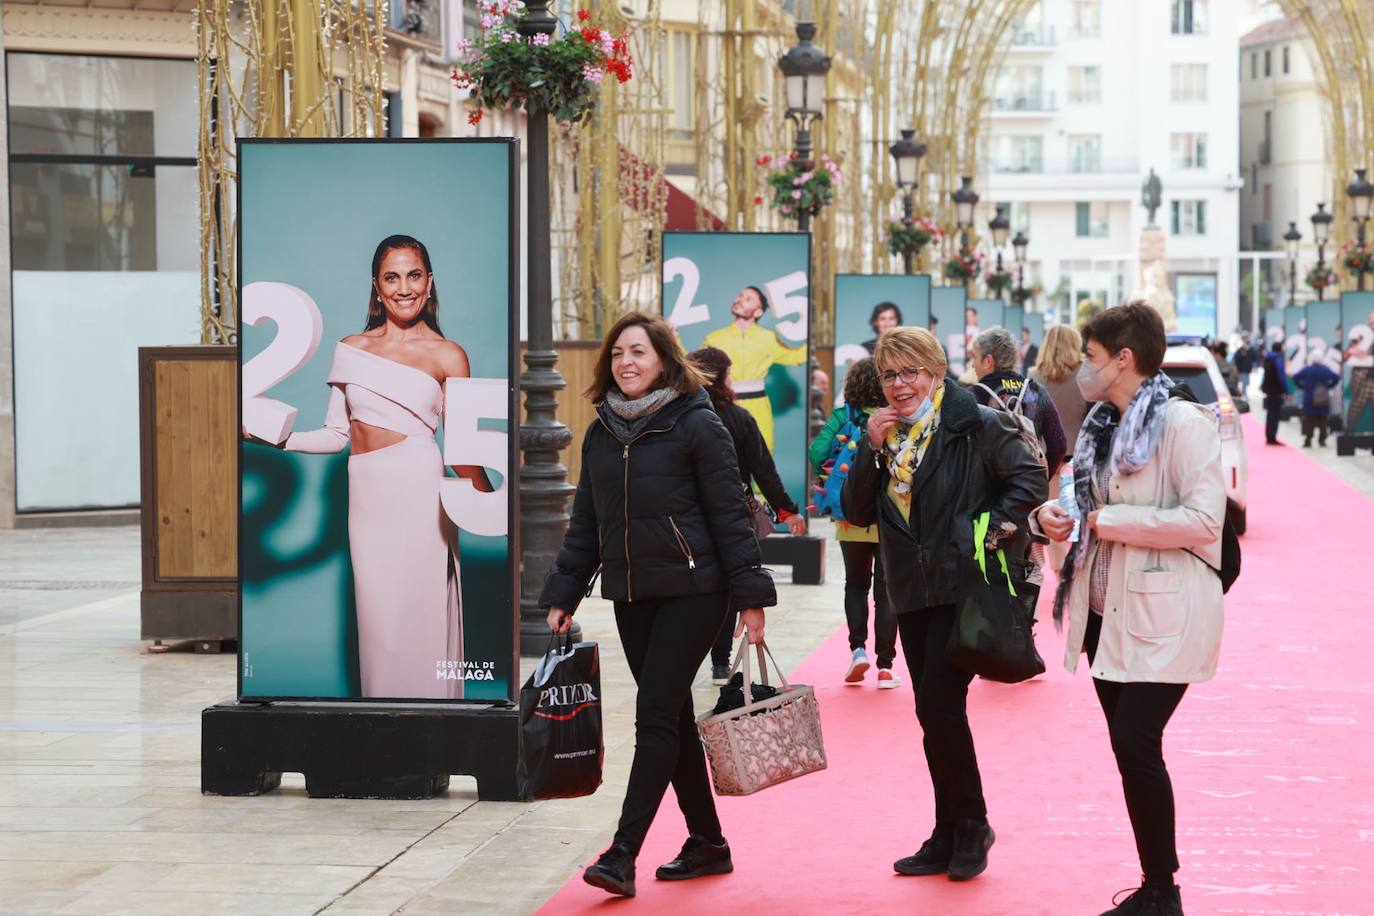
point(1139, 586)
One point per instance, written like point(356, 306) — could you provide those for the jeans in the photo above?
point(665, 641)
point(942, 708)
point(1273, 412)
point(1136, 716)
point(863, 568)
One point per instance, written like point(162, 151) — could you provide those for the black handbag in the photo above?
point(991, 636)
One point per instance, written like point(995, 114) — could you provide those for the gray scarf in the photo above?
point(627, 417)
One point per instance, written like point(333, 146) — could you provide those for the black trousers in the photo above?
point(942, 708)
point(1273, 413)
point(665, 642)
point(863, 570)
point(1136, 716)
point(1315, 424)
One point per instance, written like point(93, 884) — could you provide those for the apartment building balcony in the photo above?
point(1030, 105)
point(1033, 38)
point(1087, 165)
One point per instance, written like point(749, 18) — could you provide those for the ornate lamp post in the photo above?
point(1321, 233)
point(804, 67)
point(1361, 194)
point(1018, 246)
point(999, 224)
point(544, 487)
point(1291, 238)
point(906, 156)
point(965, 199)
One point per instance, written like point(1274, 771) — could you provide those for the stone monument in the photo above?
point(1152, 282)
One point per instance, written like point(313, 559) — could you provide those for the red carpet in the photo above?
point(1272, 768)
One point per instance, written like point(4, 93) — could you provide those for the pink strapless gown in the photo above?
point(403, 546)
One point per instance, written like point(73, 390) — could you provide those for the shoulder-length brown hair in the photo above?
point(1060, 353)
point(678, 371)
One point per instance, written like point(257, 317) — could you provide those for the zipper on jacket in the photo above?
point(625, 488)
point(682, 544)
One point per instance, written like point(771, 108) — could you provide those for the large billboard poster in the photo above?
point(951, 320)
point(376, 494)
point(749, 294)
point(1357, 320)
point(866, 305)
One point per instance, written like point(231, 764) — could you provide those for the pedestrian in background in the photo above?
point(1246, 357)
point(1029, 352)
point(659, 509)
point(755, 467)
point(932, 461)
point(1274, 386)
point(1229, 373)
point(863, 564)
point(1316, 381)
point(993, 358)
point(1139, 588)
point(1055, 371)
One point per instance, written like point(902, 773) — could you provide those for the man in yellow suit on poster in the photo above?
point(753, 350)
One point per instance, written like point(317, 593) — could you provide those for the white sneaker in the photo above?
point(887, 680)
point(858, 667)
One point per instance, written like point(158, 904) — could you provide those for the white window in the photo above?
point(679, 49)
point(1188, 82)
point(1188, 151)
point(1085, 153)
point(1085, 85)
point(1018, 212)
point(1092, 220)
point(1189, 217)
point(1085, 18)
point(1019, 88)
point(1017, 153)
point(1188, 17)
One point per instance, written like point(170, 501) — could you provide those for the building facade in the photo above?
point(1091, 96)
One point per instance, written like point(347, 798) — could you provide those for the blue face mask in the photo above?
point(921, 411)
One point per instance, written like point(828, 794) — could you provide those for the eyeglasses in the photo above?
point(908, 376)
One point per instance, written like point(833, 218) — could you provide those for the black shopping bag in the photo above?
point(992, 635)
point(560, 723)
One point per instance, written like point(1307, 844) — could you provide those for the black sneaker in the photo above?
point(972, 840)
point(699, 857)
point(1150, 899)
point(614, 872)
point(933, 856)
point(720, 674)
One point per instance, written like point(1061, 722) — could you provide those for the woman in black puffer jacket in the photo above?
point(660, 509)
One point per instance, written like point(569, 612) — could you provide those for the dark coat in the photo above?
point(1308, 381)
point(1274, 384)
point(755, 463)
point(1039, 407)
point(975, 463)
point(663, 515)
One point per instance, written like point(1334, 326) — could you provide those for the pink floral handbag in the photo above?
point(763, 743)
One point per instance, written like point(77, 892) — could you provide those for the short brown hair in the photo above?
point(678, 371)
point(862, 387)
point(903, 347)
point(1135, 325)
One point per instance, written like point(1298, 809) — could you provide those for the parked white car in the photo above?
point(1195, 367)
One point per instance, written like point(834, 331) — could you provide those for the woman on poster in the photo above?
point(386, 398)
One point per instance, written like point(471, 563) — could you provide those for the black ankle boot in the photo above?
point(972, 840)
point(933, 856)
point(614, 872)
point(1152, 898)
point(699, 857)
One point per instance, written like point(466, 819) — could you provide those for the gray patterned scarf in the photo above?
point(1129, 443)
point(627, 416)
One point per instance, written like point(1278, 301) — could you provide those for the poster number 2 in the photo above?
point(787, 295)
point(299, 328)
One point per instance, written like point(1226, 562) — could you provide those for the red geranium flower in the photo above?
point(590, 34)
point(583, 15)
point(758, 199)
point(475, 116)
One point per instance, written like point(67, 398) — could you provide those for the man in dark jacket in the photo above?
point(993, 358)
point(1274, 385)
point(932, 461)
point(1315, 382)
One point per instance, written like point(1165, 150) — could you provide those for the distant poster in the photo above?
point(1294, 338)
point(1323, 338)
point(951, 321)
point(1195, 302)
point(376, 495)
point(749, 294)
point(1035, 321)
point(866, 305)
point(1013, 319)
point(1273, 326)
point(1357, 320)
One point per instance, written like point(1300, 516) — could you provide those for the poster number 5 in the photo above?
point(467, 401)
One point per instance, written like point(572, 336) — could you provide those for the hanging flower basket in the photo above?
point(800, 187)
point(909, 236)
point(997, 281)
point(1024, 294)
point(1319, 278)
point(964, 265)
point(560, 75)
point(1357, 258)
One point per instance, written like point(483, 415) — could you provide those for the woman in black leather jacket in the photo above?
point(660, 510)
point(934, 459)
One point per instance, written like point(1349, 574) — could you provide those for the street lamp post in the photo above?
point(1361, 194)
point(1291, 238)
point(906, 155)
point(804, 67)
point(965, 199)
point(1321, 232)
point(1019, 244)
point(544, 487)
point(999, 224)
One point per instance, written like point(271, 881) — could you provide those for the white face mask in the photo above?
point(1091, 384)
point(921, 410)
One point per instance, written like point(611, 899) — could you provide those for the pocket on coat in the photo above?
point(1155, 607)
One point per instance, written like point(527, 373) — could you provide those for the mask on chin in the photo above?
point(921, 410)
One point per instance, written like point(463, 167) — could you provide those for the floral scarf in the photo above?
point(905, 450)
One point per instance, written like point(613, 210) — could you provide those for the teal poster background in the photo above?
point(1013, 319)
point(1273, 326)
point(855, 297)
point(311, 215)
point(1036, 322)
point(947, 311)
point(1357, 321)
point(703, 272)
point(1294, 338)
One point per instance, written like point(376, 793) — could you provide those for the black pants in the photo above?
point(1273, 412)
point(1136, 716)
point(942, 707)
point(725, 640)
point(665, 641)
point(863, 569)
point(1317, 424)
